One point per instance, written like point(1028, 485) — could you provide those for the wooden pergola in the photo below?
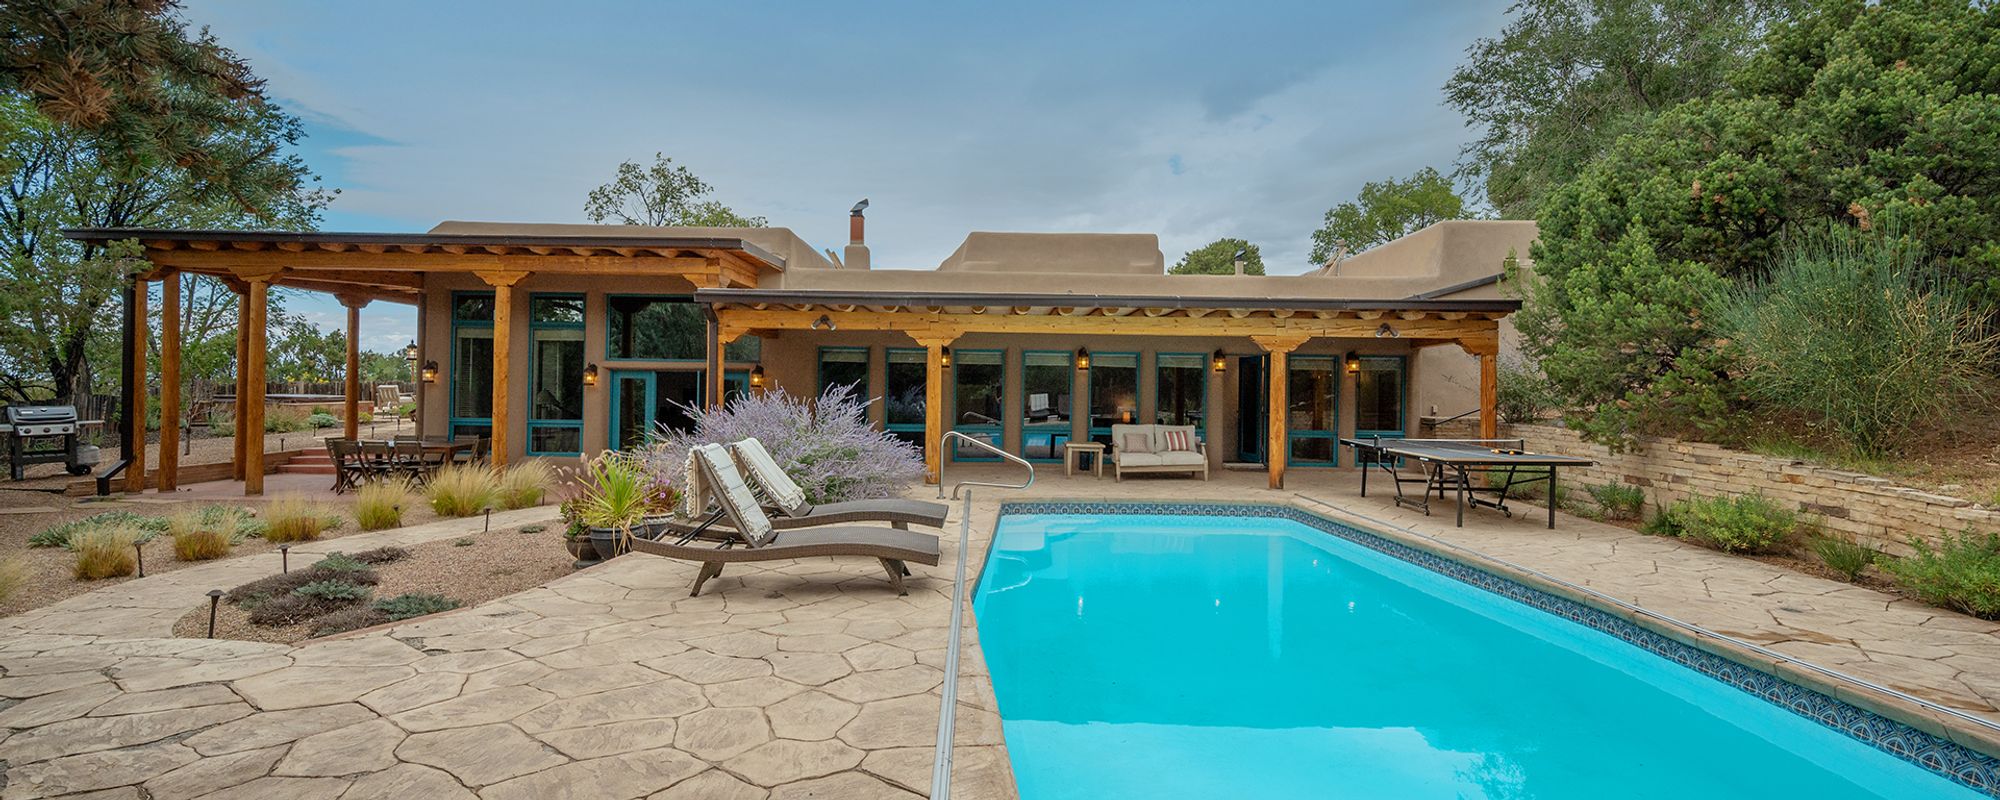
point(359, 268)
point(1277, 325)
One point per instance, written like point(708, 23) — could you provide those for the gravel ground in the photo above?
point(490, 566)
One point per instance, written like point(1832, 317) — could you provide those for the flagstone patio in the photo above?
point(783, 680)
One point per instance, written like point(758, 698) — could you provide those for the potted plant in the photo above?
point(613, 499)
point(576, 536)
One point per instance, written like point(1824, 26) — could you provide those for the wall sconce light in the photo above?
point(757, 377)
point(1082, 358)
point(1386, 332)
point(944, 357)
point(824, 323)
point(1219, 361)
point(590, 375)
point(410, 352)
point(430, 372)
point(1353, 364)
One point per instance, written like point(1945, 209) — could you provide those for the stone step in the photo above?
point(296, 468)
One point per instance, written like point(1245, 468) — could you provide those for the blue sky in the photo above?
point(1190, 120)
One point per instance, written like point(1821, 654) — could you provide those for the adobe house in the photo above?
point(558, 340)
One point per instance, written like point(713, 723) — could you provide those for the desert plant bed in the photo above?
point(326, 599)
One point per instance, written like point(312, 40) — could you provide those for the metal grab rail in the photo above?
point(948, 704)
point(982, 444)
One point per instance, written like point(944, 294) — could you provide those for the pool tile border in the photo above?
point(1963, 765)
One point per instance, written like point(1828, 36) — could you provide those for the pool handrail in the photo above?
point(984, 445)
point(948, 702)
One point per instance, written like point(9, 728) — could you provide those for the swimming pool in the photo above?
point(1207, 655)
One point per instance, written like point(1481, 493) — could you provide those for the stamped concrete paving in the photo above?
point(784, 680)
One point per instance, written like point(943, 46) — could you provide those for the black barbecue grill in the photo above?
point(46, 435)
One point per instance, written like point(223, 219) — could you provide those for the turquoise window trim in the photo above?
point(1057, 438)
point(993, 434)
point(1201, 430)
point(1090, 393)
point(453, 421)
point(819, 365)
point(1403, 396)
point(687, 298)
point(888, 357)
point(535, 369)
point(1292, 437)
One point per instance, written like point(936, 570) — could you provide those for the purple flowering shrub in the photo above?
point(827, 445)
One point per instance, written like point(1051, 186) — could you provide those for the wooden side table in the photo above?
point(1073, 450)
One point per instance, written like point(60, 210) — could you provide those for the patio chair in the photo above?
point(754, 539)
point(376, 459)
point(408, 460)
point(348, 471)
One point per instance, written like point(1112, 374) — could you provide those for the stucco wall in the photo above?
point(1870, 509)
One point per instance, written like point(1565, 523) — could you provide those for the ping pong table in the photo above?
point(1449, 464)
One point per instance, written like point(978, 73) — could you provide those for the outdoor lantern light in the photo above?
point(1386, 332)
point(944, 357)
point(757, 377)
point(1353, 364)
point(1219, 362)
point(590, 375)
point(430, 372)
point(1082, 358)
point(410, 351)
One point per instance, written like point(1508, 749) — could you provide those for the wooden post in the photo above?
point(934, 404)
point(1489, 396)
point(250, 404)
point(170, 381)
point(236, 458)
point(351, 402)
point(712, 380)
point(1274, 427)
point(135, 469)
point(503, 339)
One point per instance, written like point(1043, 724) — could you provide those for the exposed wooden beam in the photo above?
point(914, 322)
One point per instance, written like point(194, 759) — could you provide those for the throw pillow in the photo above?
point(1180, 441)
point(1137, 443)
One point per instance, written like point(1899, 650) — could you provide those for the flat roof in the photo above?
point(1040, 300)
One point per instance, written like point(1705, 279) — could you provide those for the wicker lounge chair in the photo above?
point(756, 463)
point(752, 537)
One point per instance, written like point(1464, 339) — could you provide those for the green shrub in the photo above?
point(1745, 523)
point(462, 490)
point(1844, 556)
point(221, 423)
point(340, 562)
point(333, 590)
point(1963, 574)
point(1854, 330)
point(281, 585)
point(291, 518)
point(1619, 501)
point(525, 484)
point(106, 553)
point(286, 419)
point(198, 538)
point(407, 606)
point(321, 419)
point(144, 527)
point(381, 555)
point(1523, 393)
point(13, 576)
point(379, 505)
point(351, 618)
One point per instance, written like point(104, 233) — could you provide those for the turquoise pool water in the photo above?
point(1158, 657)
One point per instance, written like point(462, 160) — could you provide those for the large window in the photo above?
point(844, 366)
point(471, 364)
point(1181, 396)
point(1378, 396)
point(976, 380)
point(1114, 392)
point(555, 412)
point(903, 389)
point(1312, 389)
point(665, 328)
point(1047, 380)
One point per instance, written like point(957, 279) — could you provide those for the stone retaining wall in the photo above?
point(1870, 509)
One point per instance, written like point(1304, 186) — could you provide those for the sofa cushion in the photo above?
point(1182, 458)
point(1132, 459)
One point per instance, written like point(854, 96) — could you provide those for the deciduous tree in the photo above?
point(1385, 210)
point(1219, 258)
point(664, 194)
